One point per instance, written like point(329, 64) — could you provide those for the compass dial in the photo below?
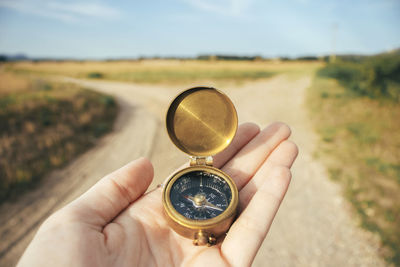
point(200, 195)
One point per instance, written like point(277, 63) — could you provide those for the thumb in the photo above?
point(113, 193)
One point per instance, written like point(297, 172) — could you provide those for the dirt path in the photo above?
point(313, 227)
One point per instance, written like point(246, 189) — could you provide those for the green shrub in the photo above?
point(95, 75)
point(375, 76)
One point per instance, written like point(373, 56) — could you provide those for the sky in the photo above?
point(92, 29)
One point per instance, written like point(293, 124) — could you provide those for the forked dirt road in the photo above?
point(313, 226)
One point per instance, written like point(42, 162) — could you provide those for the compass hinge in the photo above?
point(202, 238)
point(202, 161)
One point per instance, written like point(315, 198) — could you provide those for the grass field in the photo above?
point(360, 144)
point(359, 129)
point(44, 125)
point(163, 71)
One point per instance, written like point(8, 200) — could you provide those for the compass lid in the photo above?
point(202, 121)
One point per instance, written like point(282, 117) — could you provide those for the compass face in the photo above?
point(200, 195)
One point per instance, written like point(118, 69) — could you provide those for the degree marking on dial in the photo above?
point(200, 199)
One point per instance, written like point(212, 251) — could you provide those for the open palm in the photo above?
point(116, 223)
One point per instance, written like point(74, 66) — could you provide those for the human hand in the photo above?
point(115, 223)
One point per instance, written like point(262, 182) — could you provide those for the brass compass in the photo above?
point(201, 201)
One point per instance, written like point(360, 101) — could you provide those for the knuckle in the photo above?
point(251, 225)
point(282, 171)
point(238, 175)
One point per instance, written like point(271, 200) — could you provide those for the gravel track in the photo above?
point(314, 226)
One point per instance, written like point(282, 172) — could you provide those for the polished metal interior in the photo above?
point(202, 121)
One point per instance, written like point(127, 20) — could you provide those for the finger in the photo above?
point(245, 133)
point(112, 194)
point(283, 155)
point(253, 224)
point(249, 159)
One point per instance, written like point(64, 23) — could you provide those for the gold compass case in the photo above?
point(201, 122)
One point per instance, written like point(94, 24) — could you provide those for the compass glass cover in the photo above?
point(200, 195)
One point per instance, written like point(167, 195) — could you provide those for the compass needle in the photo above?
point(210, 205)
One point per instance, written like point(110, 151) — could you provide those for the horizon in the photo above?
point(89, 29)
point(24, 56)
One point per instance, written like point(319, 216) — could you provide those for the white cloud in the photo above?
point(236, 8)
point(61, 10)
point(85, 9)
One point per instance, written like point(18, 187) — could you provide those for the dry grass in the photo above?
point(43, 126)
point(361, 146)
point(162, 71)
point(9, 83)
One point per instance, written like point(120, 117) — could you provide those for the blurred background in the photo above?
point(84, 87)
